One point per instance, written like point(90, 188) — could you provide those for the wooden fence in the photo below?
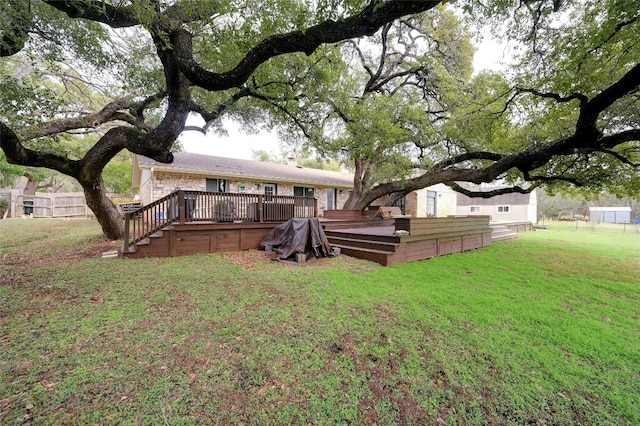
point(49, 205)
point(68, 204)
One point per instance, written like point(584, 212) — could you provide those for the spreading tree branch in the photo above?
point(367, 22)
point(492, 193)
point(558, 98)
point(467, 156)
point(110, 112)
point(103, 12)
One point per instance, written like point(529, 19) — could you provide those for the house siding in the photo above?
point(445, 201)
point(522, 207)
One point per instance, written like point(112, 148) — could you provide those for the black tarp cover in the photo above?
point(298, 236)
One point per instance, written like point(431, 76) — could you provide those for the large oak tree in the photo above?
point(567, 115)
point(121, 48)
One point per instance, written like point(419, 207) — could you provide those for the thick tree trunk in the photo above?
point(106, 212)
point(358, 188)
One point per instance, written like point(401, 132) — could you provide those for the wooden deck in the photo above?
point(386, 242)
point(188, 222)
point(406, 240)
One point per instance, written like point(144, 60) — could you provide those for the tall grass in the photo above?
point(542, 329)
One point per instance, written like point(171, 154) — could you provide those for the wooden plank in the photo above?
point(341, 224)
point(421, 250)
point(363, 243)
point(444, 230)
point(159, 247)
point(399, 256)
point(252, 238)
point(213, 244)
point(470, 242)
point(349, 214)
point(410, 238)
point(449, 245)
point(192, 244)
point(173, 243)
point(486, 239)
point(381, 258)
point(446, 223)
point(227, 241)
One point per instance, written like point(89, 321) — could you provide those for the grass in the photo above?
point(544, 329)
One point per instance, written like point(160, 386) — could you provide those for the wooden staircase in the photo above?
point(501, 232)
point(377, 248)
point(144, 247)
point(403, 240)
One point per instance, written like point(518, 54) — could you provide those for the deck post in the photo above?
point(181, 213)
point(260, 208)
point(125, 246)
point(315, 207)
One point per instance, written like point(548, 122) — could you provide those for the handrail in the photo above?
point(199, 206)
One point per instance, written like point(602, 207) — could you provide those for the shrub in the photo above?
point(4, 206)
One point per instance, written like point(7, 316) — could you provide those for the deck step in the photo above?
point(344, 248)
point(360, 243)
point(501, 232)
point(132, 249)
point(144, 242)
point(354, 235)
point(378, 256)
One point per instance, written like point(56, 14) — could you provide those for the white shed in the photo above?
point(610, 214)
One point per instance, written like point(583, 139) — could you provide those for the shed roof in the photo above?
point(609, 209)
point(208, 165)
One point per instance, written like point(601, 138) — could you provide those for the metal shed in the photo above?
point(610, 214)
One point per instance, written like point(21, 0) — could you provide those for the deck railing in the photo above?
point(199, 206)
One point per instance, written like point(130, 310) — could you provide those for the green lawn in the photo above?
point(543, 329)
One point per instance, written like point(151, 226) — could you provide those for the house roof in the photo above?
point(186, 163)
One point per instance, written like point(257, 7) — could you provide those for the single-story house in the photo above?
point(610, 214)
point(199, 172)
point(220, 174)
point(514, 207)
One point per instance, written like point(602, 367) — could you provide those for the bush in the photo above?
point(4, 206)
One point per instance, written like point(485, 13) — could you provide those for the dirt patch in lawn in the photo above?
point(91, 249)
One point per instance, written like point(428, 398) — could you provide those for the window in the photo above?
point(474, 209)
point(402, 203)
point(216, 185)
point(301, 191)
point(270, 190)
point(331, 198)
point(503, 209)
